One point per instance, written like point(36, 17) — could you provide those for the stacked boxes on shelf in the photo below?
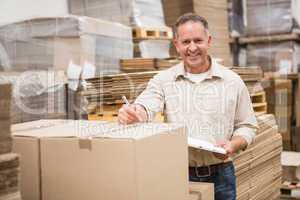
point(54, 43)
point(37, 95)
point(146, 18)
point(270, 36)
point(9, 162)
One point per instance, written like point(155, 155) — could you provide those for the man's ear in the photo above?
point(175, 43)
point(209, 40)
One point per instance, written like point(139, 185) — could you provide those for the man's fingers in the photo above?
point(130, 111)
point(127, 115)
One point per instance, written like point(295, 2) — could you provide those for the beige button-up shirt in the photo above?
point(216, 108)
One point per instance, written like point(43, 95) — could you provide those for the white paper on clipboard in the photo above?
point(204, 145)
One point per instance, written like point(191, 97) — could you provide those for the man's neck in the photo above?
point(197, 70)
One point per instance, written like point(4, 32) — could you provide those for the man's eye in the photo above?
point(198, 41)
point(185, 42)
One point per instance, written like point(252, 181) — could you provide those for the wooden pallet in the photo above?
point(147, 64)
point(143, 33)
point(269, 38)
point(260, 108)
point(258, 97)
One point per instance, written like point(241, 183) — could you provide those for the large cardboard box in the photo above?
point(201, 191)
point(102, 161)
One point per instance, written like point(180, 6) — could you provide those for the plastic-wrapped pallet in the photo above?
point(142, 13)
point(235, 17)
point(282, 57)
point(263, 17)
point(152, 49)
point(36, 95)
point(52, 43)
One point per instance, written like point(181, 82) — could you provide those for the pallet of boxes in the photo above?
point(9, 162)
point(75, 45)
point(273, 43)
point(151, 42)
point(269, 37)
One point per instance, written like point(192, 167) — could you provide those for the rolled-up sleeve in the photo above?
point(152, 98)
point(245, 123)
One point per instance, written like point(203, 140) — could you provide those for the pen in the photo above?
point(125, 100)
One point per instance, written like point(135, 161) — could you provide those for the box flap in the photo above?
point(90, 129)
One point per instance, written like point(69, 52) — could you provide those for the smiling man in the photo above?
point(209, 99)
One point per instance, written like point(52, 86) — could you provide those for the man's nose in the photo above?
point(192, 46)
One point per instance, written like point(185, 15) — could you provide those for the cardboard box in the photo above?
point(113, 163)
point(201, 191)
point(291, 166)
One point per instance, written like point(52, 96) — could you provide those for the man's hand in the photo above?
point(132, 113)
point(228, 148)
point(234, 145)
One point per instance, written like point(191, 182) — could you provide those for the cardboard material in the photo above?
point(9, 171)
point(131, 158)
point(201, 191)
point(259, 165)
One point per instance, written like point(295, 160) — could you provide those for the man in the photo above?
point(209, 99)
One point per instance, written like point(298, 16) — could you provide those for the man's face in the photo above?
point(192, 43)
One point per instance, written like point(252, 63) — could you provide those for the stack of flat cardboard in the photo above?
point(109, 89)
point(9, 162)
point(218, 22)
point(252, 77)
point(147, 64)
point(258, 169)
point(106, 155)
point(5, 118)
point(267, 17)
point(53, 43)
point(279, 98)
point(36, 95)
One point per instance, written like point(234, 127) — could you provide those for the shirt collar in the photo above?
point(214, 71)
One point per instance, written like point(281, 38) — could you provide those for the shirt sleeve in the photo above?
point(152, 98)
point(245, 124)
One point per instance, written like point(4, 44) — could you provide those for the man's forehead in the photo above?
point(191, 25)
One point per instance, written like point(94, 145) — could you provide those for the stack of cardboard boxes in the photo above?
point(271, 27)
point(145, 16)
point(258, 169)
point(9, 162)
point(279, 97)
point(36, 95)
point(54, 43)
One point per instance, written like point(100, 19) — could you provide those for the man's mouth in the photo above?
point(194, 56)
